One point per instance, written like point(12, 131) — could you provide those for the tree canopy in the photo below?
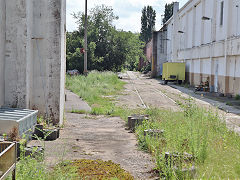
point(147, 23)
point(168, 12)
point(108, 48)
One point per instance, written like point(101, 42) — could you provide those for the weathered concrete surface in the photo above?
point(74, 102)
point(49, 58)
point(2, 49)
point(149, 93)
point(98, 137)
point(16, 54)
point(32, 55)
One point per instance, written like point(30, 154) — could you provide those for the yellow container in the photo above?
point(173, 71)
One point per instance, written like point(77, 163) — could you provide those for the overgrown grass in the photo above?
point(78, 111)
point(31, 168)
point(98, 89)
point(201, 133)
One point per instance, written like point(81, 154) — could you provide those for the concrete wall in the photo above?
point(161, 48)
point(149, 50)
point(210, 49)
point(16, 54)
point(49, 23)
point(155, 59)
point(34, 59)
point(2, 49)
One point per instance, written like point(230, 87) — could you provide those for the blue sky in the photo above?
point(129, 11)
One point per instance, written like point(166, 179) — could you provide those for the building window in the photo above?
point(221, 15)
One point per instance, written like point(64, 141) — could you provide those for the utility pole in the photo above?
point(85, 40)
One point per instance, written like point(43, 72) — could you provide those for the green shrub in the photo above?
point(237, 97)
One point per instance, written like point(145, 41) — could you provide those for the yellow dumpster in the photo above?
point(173, 71)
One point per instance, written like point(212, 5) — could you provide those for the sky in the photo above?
point(128, 11)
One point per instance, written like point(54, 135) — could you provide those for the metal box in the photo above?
point(22, 119)
point(7, 159)
point(173, 71)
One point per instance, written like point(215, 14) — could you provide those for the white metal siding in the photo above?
point(189, 25)
point(198, 25)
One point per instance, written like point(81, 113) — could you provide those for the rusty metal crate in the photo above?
point(8, 159)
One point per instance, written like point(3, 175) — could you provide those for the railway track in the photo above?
point(132, 77)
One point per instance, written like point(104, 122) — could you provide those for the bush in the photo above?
point(237, 97)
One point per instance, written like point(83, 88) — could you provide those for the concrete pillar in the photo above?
point(175, 34)
point(49, 22)
point(175, 8)
point(35, 56)
point(63, 61)
point(29, 54)
point(2, 48)
point(203, 24)
point(213, 39)
point(154, 54)
point(16, 54)
point(228, 28)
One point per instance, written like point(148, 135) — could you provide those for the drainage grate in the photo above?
point(22, 119)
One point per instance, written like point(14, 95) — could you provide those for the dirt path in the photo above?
point(98, 137)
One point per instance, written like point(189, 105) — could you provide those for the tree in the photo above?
point(168, 12)
point(148, 23)
point(108, 48)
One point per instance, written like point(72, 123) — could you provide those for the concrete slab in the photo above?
point(74, 102)
point(220, 105)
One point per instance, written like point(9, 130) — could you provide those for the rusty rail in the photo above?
point(8, 159)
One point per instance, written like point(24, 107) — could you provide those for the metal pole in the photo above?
point(85, 40)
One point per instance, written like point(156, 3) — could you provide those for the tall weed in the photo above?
point(195, 131)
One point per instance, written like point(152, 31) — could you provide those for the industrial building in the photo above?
point(32, 56)
point(205, 34)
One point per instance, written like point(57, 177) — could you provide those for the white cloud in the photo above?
point(129, 11)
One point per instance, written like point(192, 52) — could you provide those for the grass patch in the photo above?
point(30, 168)
point(98, 89)
point(195, 131)
point(79, 111)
